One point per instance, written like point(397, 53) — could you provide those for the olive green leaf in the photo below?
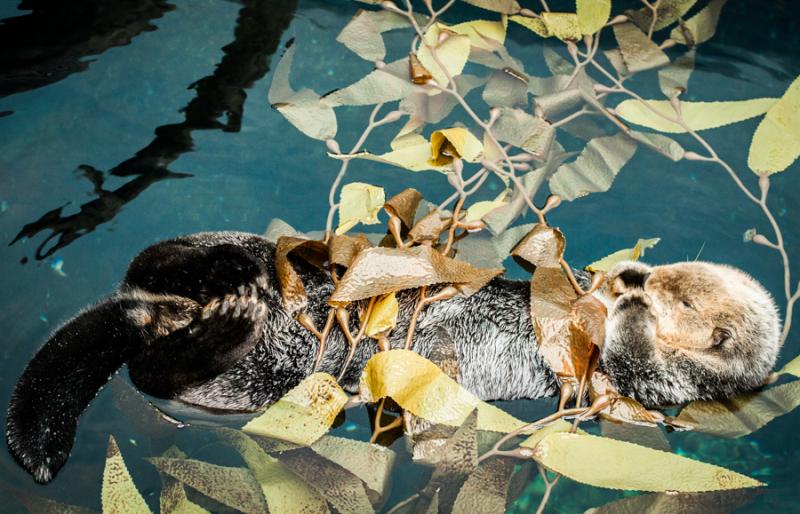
point(362, 34)
point(717, 502)
point(595, 168)
point(303, 108)
point(651, 436)
point(371, 463)
point(386, 84)
point(506, 88)
point(173, 499)
point(119, 494)
point(668, 13)
point(486, 489)
point(532, 134)
point(697, 115)
point(776, 141)
point(592, 14)
point(659, 143)
point(676, 75)
point(501, 6)
point(700, 27)
point(628, 254)
point(564, 26)
point(792, 368)
point(632, 467)
point(359, 203)
point(639, 52)
point(39, 505)
point(744, 414)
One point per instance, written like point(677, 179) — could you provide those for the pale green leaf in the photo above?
point(717, 502)
point(506, 89)
point(697, 115)
point(556, 63)
point(483, 34)
point(668, 13)
point(660, 143)
point(485, 491)
point(387, 84)
point(525, 131)
point(480, 209)
point(638, 51)
point(433, 108)
point(776, 141)
point(632, 467)
point(501, 6)
point(608, 262)
point(592, 14)
point(676, 75)
point(700, 27)
point(362, 34)
point(119, 494)
point(359, 203)
point(413, 153)
point(793, 368)
point(595, 168)
point(452, 53)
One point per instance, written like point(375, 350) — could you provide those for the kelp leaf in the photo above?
point(501, 6)
point(506, 88)
point(543, 247)
point(379, 86)
point(411, 152)
point(701, 26)
point(483, 34)
point(359, 203)
point(632, 467)
point(744, 414)
point(595, 168)
point(120, 494)
point(234, 487)
point(423, 389)
point(536, 25)
point(371, 463)
point(659, 143)
point(592, 14)
point(343, 249)
point(793, 368)
point(478, 210)
point(404, 205)
point(304, 414)
point(173, 499)
point(525, 131)
point(668, 13)
point(650, 436)
point(283, 490)
point(456, 142)
point(638, 51)
point(303, 108)
point(564, 26)
point(697, 115)
point(553, 428)
point(383, 316)
point(362, 34)
point(293, 292)
point(485, 490)
point(628, 254)
point(377, 271)
point(676, 75)
point(433, 108)
point(776, 141)
point(38, 505)
point(718, 502)
point(453, 53)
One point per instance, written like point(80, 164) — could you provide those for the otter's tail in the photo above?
point(61, 380)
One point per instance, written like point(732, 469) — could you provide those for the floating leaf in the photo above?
point(592, 14)
point(595, 168)
point(120, 494)
point(564, 26)
point(638, 51)
point(359, 203)
point(371, 463)
point(453, 53)
point(478, 210)
point(456, 142)
point(676, 75)
point(793, 368)
point(486, 489)
point(304, 414)
point(277, 228)
point(303, 108)
point(719, 502)
point(404, 205)
point(520, 129)
point(632, 467)
point(660, 143)
point(417, 385)
point(293, 292)
point(744, 414)
point(383, 316)
point(553, 428)
point(343, 249)
point(776, 142)
point(501, 6)
point(379, 86)
point(234, 487)
point(556, 63)
point(543, 247)
point(411, 151)
point(362, 34)
point(700, 27)
point(433, 108)
point(483, 34)
point(668, 13)
point(697, 115)
point(628, 254)
point(506, 88)
point(378, 271)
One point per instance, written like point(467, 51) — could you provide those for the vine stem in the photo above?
point(654, 9)
point(548, 488)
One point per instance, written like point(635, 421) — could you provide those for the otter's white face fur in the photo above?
point(687, 331)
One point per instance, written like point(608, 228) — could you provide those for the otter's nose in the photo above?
point(634, 278)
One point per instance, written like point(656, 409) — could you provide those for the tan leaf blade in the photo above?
point(120, 495)
point(304, 414)
point(638, 51)
point(632, 467)
point(700, 27)
point(697, 115)
point(293, 292)
point(486, 489)
point(776, 141)
point(520, 129)
point(404, 205)
point(343, 249)
point(719, 502)
point(676, 75)
point(542, 247)
point(668, 13)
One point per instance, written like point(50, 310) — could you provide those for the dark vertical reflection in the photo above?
point(218, 104)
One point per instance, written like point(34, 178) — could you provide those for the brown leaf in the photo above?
point(293, 292)
point(719, 502)
point(343, 249)
point(543, 247)
point(404, 205)
point(418, 73)
point(621, 409)
point(428, 228)
point(378, 271)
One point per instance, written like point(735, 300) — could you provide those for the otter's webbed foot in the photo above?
point(226, 330)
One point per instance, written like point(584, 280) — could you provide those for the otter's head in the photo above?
point(687, 331)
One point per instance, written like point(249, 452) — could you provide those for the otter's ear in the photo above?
point(626, 276)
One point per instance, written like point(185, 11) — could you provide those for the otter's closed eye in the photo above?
point(720, 335)
point(687, 304)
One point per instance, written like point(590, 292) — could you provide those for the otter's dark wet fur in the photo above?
point(200, 319)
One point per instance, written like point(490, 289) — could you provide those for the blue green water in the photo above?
point(76, 106)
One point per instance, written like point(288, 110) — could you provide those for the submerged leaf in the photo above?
point(651, 436)
point(660, 143)
point(776, 141)
point(433, 108)
point(379, 86)
point(383, 316)
point(520, 129)
point(359, 203)
point(304, 414)
point(120, 494)
point(454, 143)
point(744, 414)
point(506, 88)
point(676, 75)
point(700, 27)
point(628, 254)
point(668, 13)
point(697, 115)
point(486, 489)
point(173, 499)
point(718, 502)
point(595, 168)
point(793, 368)
point(483, 34)
point(452, 53)
point(638, 51)
point(632, 467)
point(501, 6)
point(371, 463)
point(362, 34)
point(592, 14)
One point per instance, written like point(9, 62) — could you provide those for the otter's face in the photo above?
point(687, 331)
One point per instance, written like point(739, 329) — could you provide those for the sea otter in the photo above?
point(200, 319)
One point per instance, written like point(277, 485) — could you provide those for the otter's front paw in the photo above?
point(624, 277)
point(226, 268)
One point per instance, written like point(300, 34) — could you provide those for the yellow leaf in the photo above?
point(562, 25)
point(701, 27)
point(501, 6)
point(483, 34)
point(383, 316)
point(452, 53)
point(480, 209)
point(697, 115)
point(359, 203)
point(456, 142)
point(119, 494)
point(592, 14)
point(536, 25)
point(776, 142)
point(423, 389)
point(410, 151)
point(793, 368)
point(304, 414)
point(622, 465)
point(628, 254)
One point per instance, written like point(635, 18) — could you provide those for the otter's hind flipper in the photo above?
point(72, 366)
